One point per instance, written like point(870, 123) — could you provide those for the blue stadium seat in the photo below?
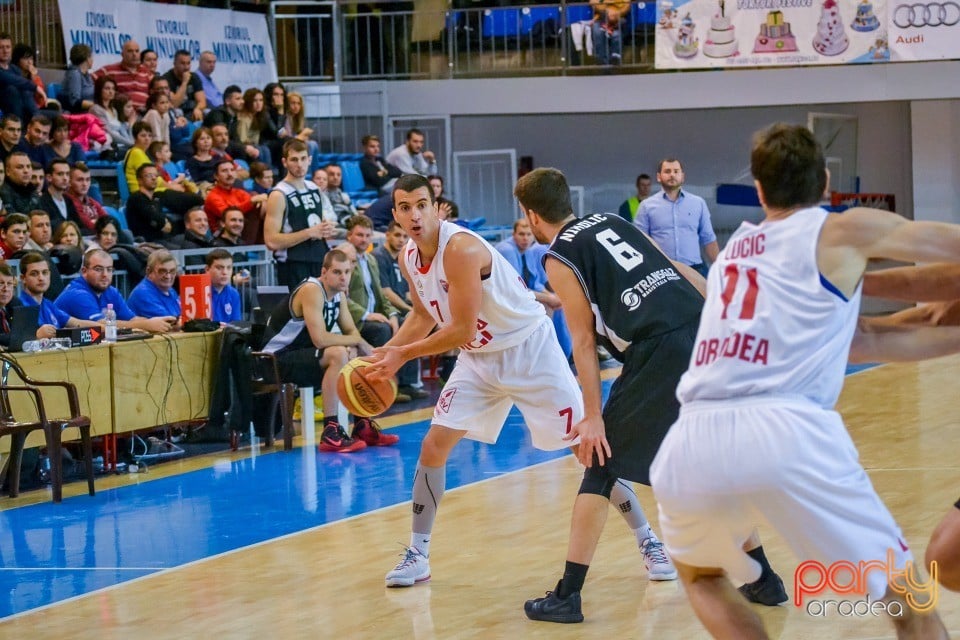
point(120, 214)
point(579, 13)
point(530, 16)
point(643, 13)
point(95, 192)
point(352, 178)
point(503, 22)
point(123, 189)
point(53, 90)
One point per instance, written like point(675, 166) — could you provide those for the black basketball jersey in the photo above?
point(304, 209)
point(288, 332)
point(634, 290)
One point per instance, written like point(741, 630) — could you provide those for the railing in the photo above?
point(37, 23)
point(257, 259)
point(333, 42)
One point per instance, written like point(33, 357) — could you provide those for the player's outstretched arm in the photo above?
point(580, 321)
point(927, 283)
point(875, 341)
point(849, 240)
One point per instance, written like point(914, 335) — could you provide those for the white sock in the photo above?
point(645, 532)
point(421, 542)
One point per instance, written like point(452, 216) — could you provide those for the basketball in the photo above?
point(363, 397)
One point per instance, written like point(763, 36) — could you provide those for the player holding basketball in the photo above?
point(313, 336)
point(509, 354)
point(757, 433)
point(644, 308)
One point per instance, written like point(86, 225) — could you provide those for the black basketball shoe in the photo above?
point(553, 608)
point(768, 590)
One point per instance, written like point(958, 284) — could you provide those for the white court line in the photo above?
point(160, 571)
point(2, 569)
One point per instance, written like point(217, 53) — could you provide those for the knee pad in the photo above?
point(598, 481)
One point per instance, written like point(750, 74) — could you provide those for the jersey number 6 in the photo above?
point(625, 255)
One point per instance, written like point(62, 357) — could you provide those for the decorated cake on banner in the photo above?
point(865, 20)
point(831, 38)
point(775, 35)
point(721, 39)
point(687, 43)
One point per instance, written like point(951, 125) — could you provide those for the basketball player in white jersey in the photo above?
point(509, 354)
point(757, 434)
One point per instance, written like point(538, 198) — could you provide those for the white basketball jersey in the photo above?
point(508, 311)
point(771, 323)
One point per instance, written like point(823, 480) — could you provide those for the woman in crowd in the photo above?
point(104, 95)
point(126, 257)
point(170, 175)
point(296, 123)
point(252, 122)
point(175, 201)
point(22, 59)
point(60, 146)
point(276, 95)
point(262, 176)
point(202, 165)
point(68, 235)
point(448, 208)
point(78, 87)
point(158, 115)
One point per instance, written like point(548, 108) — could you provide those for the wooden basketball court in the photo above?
point(503, 540)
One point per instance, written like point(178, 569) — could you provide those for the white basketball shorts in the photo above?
point(726, 466)
point(534, 375)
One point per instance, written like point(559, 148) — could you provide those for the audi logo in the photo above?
point(927, 14)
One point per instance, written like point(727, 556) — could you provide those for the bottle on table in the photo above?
point(110, 324)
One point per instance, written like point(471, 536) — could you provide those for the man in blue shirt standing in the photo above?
point(225, 299)
point(678, 221)
point(155, 296)
point(35, 280)
point(526, 255)
point(88, 296)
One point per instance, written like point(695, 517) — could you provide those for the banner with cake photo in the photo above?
point(729, 34)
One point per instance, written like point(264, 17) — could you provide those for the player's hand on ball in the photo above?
point(386, 362)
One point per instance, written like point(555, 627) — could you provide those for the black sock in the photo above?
point(573, 577)
point(758, 555)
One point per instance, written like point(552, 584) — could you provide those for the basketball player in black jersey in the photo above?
point(647, 312)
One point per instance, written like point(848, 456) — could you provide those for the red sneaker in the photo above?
point(369, 432)
point(336, 440)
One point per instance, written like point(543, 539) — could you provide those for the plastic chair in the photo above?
point(123, 189)
point(120, 214)
point(352, 177)
point(52, 427)
point(266, 380)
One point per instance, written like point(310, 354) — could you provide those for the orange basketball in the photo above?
point(363, 397)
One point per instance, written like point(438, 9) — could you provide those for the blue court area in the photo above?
point(52, 552)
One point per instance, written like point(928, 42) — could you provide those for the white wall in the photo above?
point(606, 151)
point(936, 167)
point(603, 130)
